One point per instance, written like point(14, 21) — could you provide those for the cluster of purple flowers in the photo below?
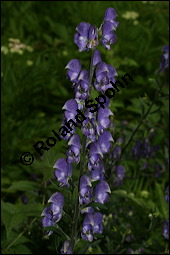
point(87, 35)
point(144, 149)
point(94, 129)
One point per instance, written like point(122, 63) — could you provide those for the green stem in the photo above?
point(82, 166)
point(16, 239)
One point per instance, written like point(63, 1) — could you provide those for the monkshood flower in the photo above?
point(88, 129)
point(63, 172)
point(89, 126)
point(74, 67)
point(101, 192)
point(86, 37)
point(166, 230)
point(53, 213)
point(95, 162)
point(85, 191)
point(73, 153)
point(97, 174)
point(103, 144)
point(104, 141)
point(70, 108)
point(67, 248)
point(96, 167)
point(104, 74)
point(167, 194)
point(136, 149)
point(108, 28)
point(116, 152)
point(81, 89)
point(164, 59)
point(120, 174)
point(103, 120)
point(92, 224)
point(110, 15)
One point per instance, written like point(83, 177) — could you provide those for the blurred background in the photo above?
point(36, 45)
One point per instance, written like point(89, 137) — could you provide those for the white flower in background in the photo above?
point(15, 46)
point(130, 15)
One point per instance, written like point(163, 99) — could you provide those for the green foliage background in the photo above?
point(34, 90)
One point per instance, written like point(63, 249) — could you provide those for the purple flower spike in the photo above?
point(63, 172)
point(74, 67)
point(86, 38)
point(101, 192)
point(67, 248)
